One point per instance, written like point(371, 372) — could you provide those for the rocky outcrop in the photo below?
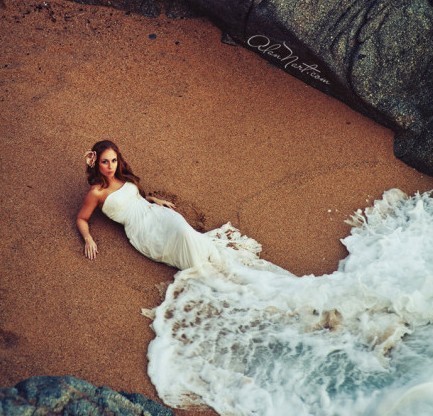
point(66, 395)
point(376, 56)
point(150, 8)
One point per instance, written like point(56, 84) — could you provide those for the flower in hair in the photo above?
point(90, 156)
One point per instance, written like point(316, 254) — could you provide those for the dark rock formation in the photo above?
point(66, 395)
point(151, 8)
point(376, 56)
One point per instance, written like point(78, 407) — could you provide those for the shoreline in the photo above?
point(213, 127)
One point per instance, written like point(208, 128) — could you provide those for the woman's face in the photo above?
point(108, 163)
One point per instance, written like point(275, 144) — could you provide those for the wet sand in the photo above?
point(213, 127)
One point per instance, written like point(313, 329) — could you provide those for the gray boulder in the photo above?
point(376, 56)
point(67, 395)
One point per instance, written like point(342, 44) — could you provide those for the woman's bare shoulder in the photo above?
point(96, 192)
point(92, 199)
point(95, 189)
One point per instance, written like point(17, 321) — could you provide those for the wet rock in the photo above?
point(67, 395)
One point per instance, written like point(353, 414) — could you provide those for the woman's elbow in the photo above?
point(80, 220)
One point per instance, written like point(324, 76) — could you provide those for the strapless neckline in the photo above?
point(111, 193)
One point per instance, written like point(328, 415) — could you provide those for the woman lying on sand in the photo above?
point(151, 224)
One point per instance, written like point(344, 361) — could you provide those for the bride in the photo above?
point(247, 337)
point(151, 224)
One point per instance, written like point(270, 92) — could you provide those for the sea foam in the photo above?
point(249, 338)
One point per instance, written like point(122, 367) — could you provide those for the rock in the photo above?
point(375, 56)
point(149, 8)
point(67, 395)
point(175, 9)
point(416, 148)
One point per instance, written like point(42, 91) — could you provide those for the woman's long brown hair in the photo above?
point(123, 171)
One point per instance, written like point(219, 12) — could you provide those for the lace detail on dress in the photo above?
point(229, 236)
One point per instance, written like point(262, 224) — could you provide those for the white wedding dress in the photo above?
point(157, 232)
point(163, 235)
point(248, 338)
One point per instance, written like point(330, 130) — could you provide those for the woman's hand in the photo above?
point(165, 203)
point(90, 248)
point(161, 202)
point(90, 203)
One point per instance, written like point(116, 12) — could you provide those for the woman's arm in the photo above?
point(90, 203)
point(161, 202)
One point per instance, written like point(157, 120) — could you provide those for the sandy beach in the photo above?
point(212, 127)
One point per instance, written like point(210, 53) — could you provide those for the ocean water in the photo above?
point(249, 338)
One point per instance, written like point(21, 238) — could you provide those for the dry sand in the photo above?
point(214, 127)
